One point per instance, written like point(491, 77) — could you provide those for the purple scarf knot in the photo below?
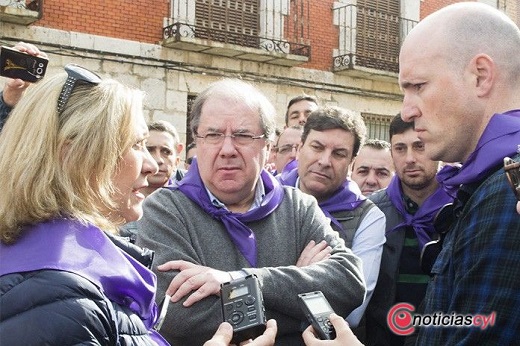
point(500, 138)
point(347, 197)
point(422, 220)
point(241, 235)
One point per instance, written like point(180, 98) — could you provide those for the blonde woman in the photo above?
point(74, 159)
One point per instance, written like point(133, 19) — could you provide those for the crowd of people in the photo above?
point(101, 227)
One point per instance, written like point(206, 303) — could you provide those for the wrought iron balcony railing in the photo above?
point(268, 26)
point(21, 11)
point(183, 30)
point(369, 38)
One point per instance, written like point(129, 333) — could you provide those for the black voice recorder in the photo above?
point(243, 308)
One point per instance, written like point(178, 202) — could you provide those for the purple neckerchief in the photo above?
point(85, 250)
point(290, 165)
point(242, 236)
point(500, 138)
point(422, 220)
point(448, 171)
point(347, 197)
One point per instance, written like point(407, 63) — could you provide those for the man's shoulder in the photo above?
point(380, 197)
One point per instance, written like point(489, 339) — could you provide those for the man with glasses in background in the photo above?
point(229, 218)
point(287, 147)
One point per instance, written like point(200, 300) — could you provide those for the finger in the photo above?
point(29, 49)
point(309, 252)
point(222, 336)
point(15, 83)
point(181, 284)
point(175, 265)
point(271, 329)
point(323, 254)
point(303, 256)
point(340, 325)
point(205, 290)
point(309, 336)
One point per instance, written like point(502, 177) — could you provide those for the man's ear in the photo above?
point(484, 69)
point(179, 148)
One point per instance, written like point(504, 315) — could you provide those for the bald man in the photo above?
point(460, 74)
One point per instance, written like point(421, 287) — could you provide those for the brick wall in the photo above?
point(430, 6)
point(323, 35)
point(137, 20)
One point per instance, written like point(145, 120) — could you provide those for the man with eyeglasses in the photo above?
point(410, 203)
point(331, 139)
point(229, 218)
point(287, 146)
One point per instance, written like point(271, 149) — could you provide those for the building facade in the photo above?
point(343, 52)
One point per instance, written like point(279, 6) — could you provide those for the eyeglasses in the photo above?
point(215, 138)
point(75, 74)
point(512, 169)
point(286, 149)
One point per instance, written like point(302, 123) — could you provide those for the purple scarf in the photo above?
point(422, 220)
point(68, 245)
point(500, 138)
point(347, 197)
point(243, 237)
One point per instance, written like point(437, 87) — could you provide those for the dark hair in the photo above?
point(164, 126)
point(377, 144)
point(330, 117)
point(189, 147)
point(298, 99)
point(398, 125)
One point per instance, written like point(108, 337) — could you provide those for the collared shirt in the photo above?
point(368, 245)
point(259, 196)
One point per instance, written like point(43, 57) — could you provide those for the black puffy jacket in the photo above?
point(52, 307)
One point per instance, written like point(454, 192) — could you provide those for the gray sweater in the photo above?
point(177, 228)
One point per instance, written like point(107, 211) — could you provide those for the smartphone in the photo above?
point(15, 64)
point(317, 310)
point(243, 307)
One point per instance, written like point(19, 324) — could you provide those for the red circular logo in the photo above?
point(399, 319)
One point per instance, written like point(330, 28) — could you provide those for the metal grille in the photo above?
point(378, 34)
point(228, 21)
point(378, 126)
